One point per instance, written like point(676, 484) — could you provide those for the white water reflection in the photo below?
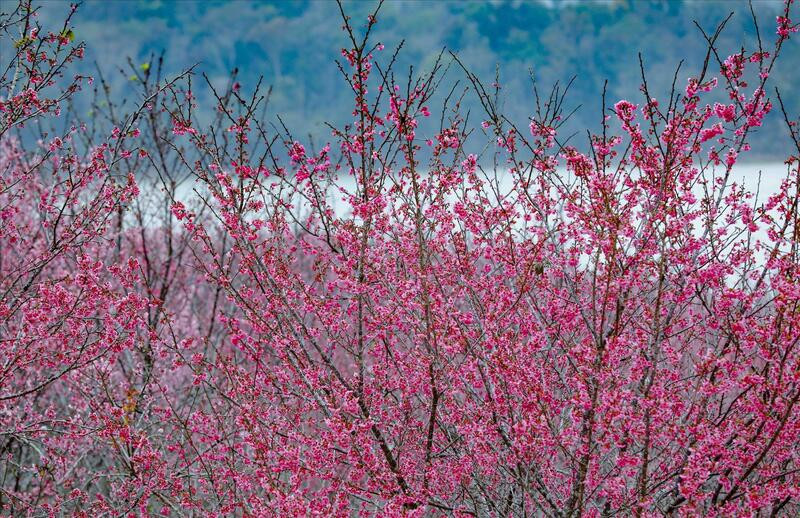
point(763, 179)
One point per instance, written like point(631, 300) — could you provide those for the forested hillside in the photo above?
point(594, 41)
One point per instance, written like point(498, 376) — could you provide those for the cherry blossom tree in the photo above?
point(211, 317)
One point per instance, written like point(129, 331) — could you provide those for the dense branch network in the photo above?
point(201, 315)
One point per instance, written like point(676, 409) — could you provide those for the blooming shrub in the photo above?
point(192, 324)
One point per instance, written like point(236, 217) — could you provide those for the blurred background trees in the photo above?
point(290, 43)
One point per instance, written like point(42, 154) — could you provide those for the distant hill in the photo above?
point(293, 44)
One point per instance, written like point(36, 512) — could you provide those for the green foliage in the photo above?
point(291, 43)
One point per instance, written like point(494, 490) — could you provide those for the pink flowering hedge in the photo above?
point(213, 319)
